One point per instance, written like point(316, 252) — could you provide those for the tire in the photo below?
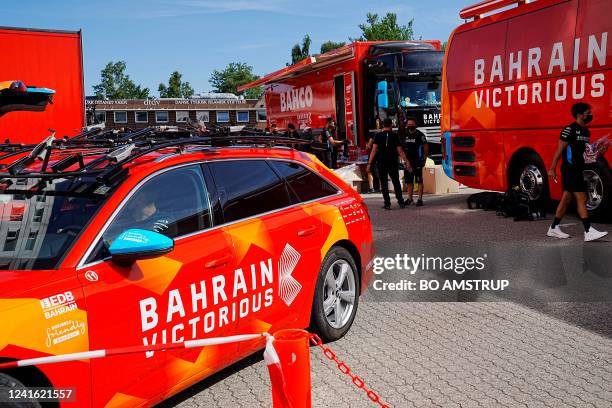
point(530, 175)
point(599, 191)
point(6, 384)
point(325, 324)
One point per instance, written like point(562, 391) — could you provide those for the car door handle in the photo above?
point(216, 263)
point(307, 231)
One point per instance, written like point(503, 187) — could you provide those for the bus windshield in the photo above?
point(419, 93)
point(37, 229)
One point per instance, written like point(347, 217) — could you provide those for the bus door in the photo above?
point(349, 107)
point(340, 106)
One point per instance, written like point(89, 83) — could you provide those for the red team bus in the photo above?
point(510, 78)
point(359, 85)
point(43, 60)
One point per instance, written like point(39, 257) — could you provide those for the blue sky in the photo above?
point(156, 37)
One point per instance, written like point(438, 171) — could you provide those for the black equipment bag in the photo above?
point(487, 200)
point(517, 204)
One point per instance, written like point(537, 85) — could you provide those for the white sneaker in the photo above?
point(593, 234)
point(557, 233)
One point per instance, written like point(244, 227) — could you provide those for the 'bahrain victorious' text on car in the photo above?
point(106, 247)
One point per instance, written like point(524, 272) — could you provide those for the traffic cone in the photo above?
point(288, 360)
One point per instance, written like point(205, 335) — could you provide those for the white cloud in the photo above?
point(177, 8)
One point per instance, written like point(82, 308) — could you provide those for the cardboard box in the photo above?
point(437, 182)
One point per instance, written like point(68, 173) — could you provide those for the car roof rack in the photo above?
point(115, 149)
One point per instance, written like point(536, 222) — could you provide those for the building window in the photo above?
point(31, 241)
point(10, 242)
point(38, 214)
point(261, 116)
point(100, 116)
point(203, 116)
point(242, 116)
point(142, 117)
point(121, 117)
point(182, 116)
point(161, 116)
point(222, 116)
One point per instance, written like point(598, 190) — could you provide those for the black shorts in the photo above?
point(414, 176)
point(573, 180)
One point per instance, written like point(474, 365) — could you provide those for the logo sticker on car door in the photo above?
point(288, 286)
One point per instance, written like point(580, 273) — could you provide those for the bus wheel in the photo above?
point(599, 189)
point(529, 174)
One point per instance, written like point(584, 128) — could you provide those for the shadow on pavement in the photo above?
point(212, 380)
point(566, 279)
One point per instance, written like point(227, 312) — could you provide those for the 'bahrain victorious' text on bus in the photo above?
point(509, 82)
point(574, 87)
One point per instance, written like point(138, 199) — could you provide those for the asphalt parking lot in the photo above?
point(544, 342)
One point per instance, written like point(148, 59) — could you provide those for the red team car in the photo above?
point(158, 237)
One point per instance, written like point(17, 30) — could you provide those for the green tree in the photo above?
point(385, 29)
point(234, 75)
point(331, 45)
point(176, 87)
point(298, 52)
point(116, 84)
point(444, 46)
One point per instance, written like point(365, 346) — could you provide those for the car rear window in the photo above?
point(247, 188)
point(39, 225)
point(306, 184)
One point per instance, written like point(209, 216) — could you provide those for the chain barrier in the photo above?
point(344, 369)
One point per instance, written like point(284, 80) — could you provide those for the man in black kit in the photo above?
point(574, 138)
point(387, 149)
point(416, 148)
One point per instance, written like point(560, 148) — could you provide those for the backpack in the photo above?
point(487, 200)
point(514, 203)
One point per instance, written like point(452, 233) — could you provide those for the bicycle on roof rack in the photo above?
point(103, 154)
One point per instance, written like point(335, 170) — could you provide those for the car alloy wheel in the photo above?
point(339, 293)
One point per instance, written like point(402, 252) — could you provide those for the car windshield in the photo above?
point(38, 224)
point(419, 93)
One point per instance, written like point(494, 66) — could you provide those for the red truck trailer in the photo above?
point(358, 85)
point(511, 76)
point(43, 60)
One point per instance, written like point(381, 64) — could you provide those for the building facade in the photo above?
point(141, 113)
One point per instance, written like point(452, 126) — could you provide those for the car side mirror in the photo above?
point(382, 99)
point(134, 244)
